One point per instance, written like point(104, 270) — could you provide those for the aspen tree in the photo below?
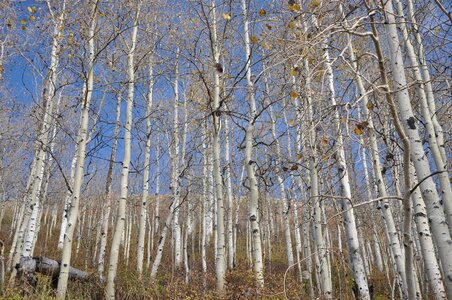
point(79, 170)
point(147, 156)
point(31, 197)
point(175, 171)
point(108, 189)
point(121, 215)
point(174, 207)
point(282, 190)
point(349, 222)
point(323, 271)
point(386, 210)
point(216, 149)
point(427, 85)
point(205, 204)
point(437, 218)
point(230, 197)
point(440, 163)
point(253, 206)
point(432, 268)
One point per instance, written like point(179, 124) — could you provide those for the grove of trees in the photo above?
point(240, 149)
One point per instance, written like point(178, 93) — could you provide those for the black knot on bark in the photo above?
point(218, 67)
point(411, 122)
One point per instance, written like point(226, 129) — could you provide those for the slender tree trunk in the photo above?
point(157, 188)
point(79, 170)
point(440, 164)
point(205, 205)
point(230, 196)
point(253, 207)
point(147, 156)
point(386, 210)
point(441, 232)
point(431, 265)
point(220, 249)
point(108, 190)
point(351, 232)
point(176, 171)
point(120, 220)
point(31, 202)
point(161, 244)
point(428, 85)
point(285, 205)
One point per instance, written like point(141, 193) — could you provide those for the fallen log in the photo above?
point(27, 267)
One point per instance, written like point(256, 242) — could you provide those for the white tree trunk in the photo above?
point(157, 188)
point(323, 272)
point(220, 257)
point(431, 265)
point(108, 190)
point(441, 232)
point(205, 204)
point(253, 207)
point(285, 210)
point(351, 232)
point(428, 86)
point(79, 170)
point(176, 173)
point(147, 156)
point(120, 220)
point(440, 164)
point(230, 196)
point(31, 203)
point(161, 244)
point(391, 230)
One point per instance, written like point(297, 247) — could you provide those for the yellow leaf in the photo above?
point(370, 105)
point(358, 131)
point(291, 24)
point(262, 12)
point(295, 71)
point(291, 122)
point(226, 16)
point(23, 21)
point(299, 156)
point(32, 18)
point(32, 9)
point(295, 7)
point(294, 94)
point(315, 3)
point(253, 39)
point(266, 46)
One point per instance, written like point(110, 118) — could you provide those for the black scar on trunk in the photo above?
point(410, 121)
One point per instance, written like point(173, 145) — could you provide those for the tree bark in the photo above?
point(253, 207)
point(147, 156)
point(79, 170)
point(120, 220)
